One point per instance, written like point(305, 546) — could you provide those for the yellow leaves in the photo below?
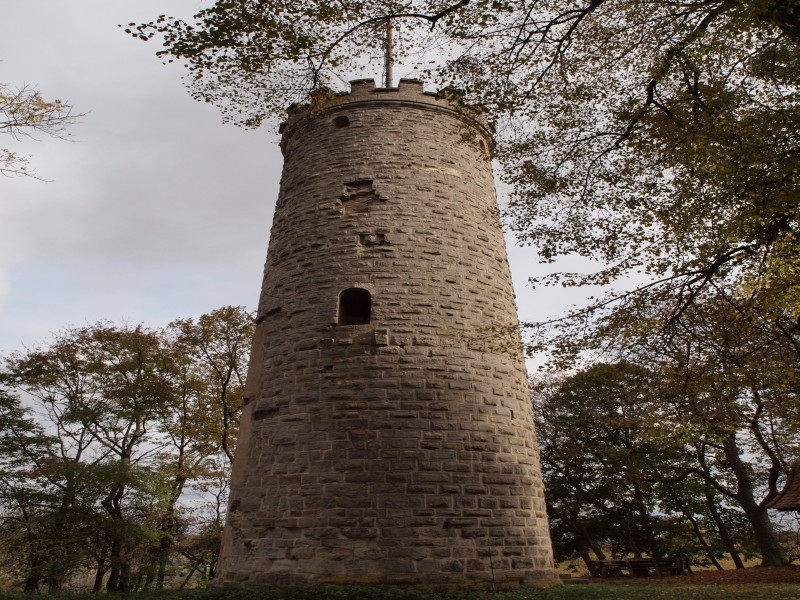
point(24, 112)
point(11, 162)
point(27, 108)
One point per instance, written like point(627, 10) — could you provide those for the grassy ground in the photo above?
point(593, 591)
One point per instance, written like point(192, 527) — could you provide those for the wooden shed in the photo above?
point(789, 496)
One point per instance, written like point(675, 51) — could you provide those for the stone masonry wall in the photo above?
point(401, 450)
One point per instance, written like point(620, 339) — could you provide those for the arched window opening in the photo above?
point(355, 306)
point(341, 121)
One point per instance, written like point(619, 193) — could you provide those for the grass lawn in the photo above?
point(592, 591)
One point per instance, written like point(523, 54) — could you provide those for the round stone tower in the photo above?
point(387, 434)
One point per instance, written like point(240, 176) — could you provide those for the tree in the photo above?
point(601, 441)
point(24, 113)
point(727, 386)
point(140, 420)
point(738, 397)
point(103, 387)
point(203, 541)
point(50, 490)
point(23, 493)
point(190, 442)
point(219, 345)
point(206, 365)
point(253, 58)
point(629, 469)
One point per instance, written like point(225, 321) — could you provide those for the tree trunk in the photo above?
point(162, 569)
point(701, 538)
point(31, 585)
point(581, 534)
point(119, 580)
point(34, 576)
point(168, 526)
point(647, 524)
point(125, 575)
point(630, 543)
point(54, 584)
point(771, 552)
point(112, 585)
point(98, 577)
point(188, 577)
point(212, 567)
point(722, 529)
point(596, 548)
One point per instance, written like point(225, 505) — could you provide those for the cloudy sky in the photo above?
point(155, 210)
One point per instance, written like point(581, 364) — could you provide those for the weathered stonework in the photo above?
point(401, 450)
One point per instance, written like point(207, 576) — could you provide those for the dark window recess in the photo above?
point(355, 305)
point(340, 122)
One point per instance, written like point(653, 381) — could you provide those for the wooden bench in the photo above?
point(606, 568)
point(639, 567)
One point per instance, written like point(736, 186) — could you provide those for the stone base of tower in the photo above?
point(423, 582)
point(441, 558)
point(424, 574)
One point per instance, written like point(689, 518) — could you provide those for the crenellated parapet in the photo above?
point(363, 92)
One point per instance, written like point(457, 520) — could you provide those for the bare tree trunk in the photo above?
point(99, 574)
point(188, 577)
point(647, 524)
point(34, 577)
point(31, 585)
point(722, 529)
point(771, 552)
point(582, 535)
point(164, 549)
point(112, 585)
point(119, 580)
point(701, 538)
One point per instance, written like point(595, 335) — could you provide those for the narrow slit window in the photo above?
point(341, 121)
point(355, 306)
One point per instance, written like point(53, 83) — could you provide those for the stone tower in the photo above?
point(387, 435)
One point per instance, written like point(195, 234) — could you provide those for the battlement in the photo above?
point(364, 92)
point(406, 88)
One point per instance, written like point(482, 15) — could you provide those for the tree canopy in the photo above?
point(116, 461)
point(650, 459)
point(656, 138)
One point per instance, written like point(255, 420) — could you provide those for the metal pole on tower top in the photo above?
point(389, 61)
